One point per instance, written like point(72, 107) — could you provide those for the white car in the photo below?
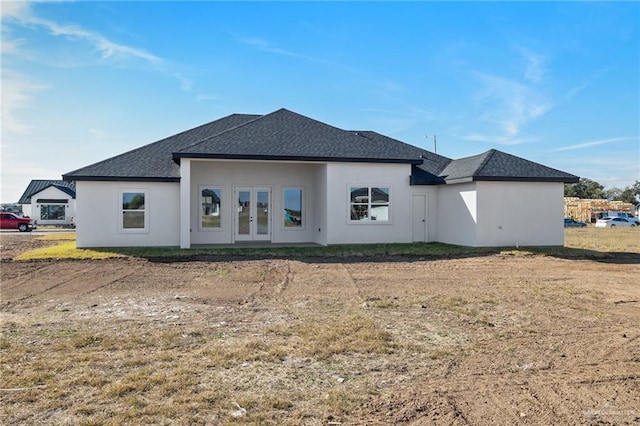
point(610, 222)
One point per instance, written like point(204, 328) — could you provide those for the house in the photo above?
point(286, 178)
point(50, 202)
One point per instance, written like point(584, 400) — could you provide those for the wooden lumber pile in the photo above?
point(586, 210)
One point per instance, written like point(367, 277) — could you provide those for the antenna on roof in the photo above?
point(435, 143)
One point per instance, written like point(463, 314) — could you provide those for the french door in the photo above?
point(253, 214)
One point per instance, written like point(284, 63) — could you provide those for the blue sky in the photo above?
point(557, 83)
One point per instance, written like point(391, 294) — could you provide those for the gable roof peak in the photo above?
point(38, 185)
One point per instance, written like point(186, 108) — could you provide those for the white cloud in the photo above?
point(205, 97)
point(535, 69)
point(14, 9)
point(21, 13)
point(265, 46)
point(185, 83)
point(106, 47)
point(97, 133)
point(595, 143)
point(499, 139)
point(506, 106)
point(17, 92)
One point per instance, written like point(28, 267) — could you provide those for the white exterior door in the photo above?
point(253, 214)
point(419, 215)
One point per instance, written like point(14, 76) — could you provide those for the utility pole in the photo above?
point(435, 143)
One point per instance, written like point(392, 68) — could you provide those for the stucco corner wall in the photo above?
point(457, 214)
point(99, 212)
point(520, 214)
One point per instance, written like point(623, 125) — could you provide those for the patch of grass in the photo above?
point(58, 236)
point(377, 302)
point(439, 353)
point(66, 250)
point(345, 250)
point(579, 243)
point(351, 334)
point(611, 240)
point(587, 242)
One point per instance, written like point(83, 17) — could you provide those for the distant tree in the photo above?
point(584, 188)
point(631, 194)
point(635, 190)
point(627, 196)
point(612, 194)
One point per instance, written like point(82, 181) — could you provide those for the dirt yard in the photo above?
point(498, 339)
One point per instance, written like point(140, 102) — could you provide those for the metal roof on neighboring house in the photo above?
point(38, 185)
point(285, 135)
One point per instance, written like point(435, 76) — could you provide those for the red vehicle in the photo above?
point(13, 221)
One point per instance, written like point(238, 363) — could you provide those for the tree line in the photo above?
point(587, 188)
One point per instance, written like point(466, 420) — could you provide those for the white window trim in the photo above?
point(146, 210)
point(302, 206)
point(369, 222)
point(203, 228)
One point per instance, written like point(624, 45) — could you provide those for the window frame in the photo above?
point(122, 210)
point(48, 207)
point(201, 213)
point(303, 218)
point(369, 204)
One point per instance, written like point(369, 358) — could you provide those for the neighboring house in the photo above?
point(50, 202)
point(286, 178)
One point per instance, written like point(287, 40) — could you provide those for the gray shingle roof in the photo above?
point(495, 165)
point(286, 135)
point(38, 185)
point(154, 161)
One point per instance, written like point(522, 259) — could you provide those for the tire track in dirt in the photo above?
point(16, 276)
point(541, 399)
point(76, 281)
point(353, 284)
point(287, 281)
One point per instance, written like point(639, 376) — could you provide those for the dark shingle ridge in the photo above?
point(37, 185)
point(286, 135)
point(494, 165)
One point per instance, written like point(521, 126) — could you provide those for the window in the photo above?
point(210, 212)
point(52, 212)
point(369, 203)
point(292, 213)
point(134, 216)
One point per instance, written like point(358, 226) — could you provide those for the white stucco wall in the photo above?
point(228, 175)
point(484, 214)
point(99, 212)
point(520, 213)
point(51, 193)
point(457, 216)
point(341, 176)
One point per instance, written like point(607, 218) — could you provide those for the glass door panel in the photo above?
point(262, 204)
point(244, 212)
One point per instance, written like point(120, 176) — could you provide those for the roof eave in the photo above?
point(557, 179)
point(71, 178)
point(178, 155)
